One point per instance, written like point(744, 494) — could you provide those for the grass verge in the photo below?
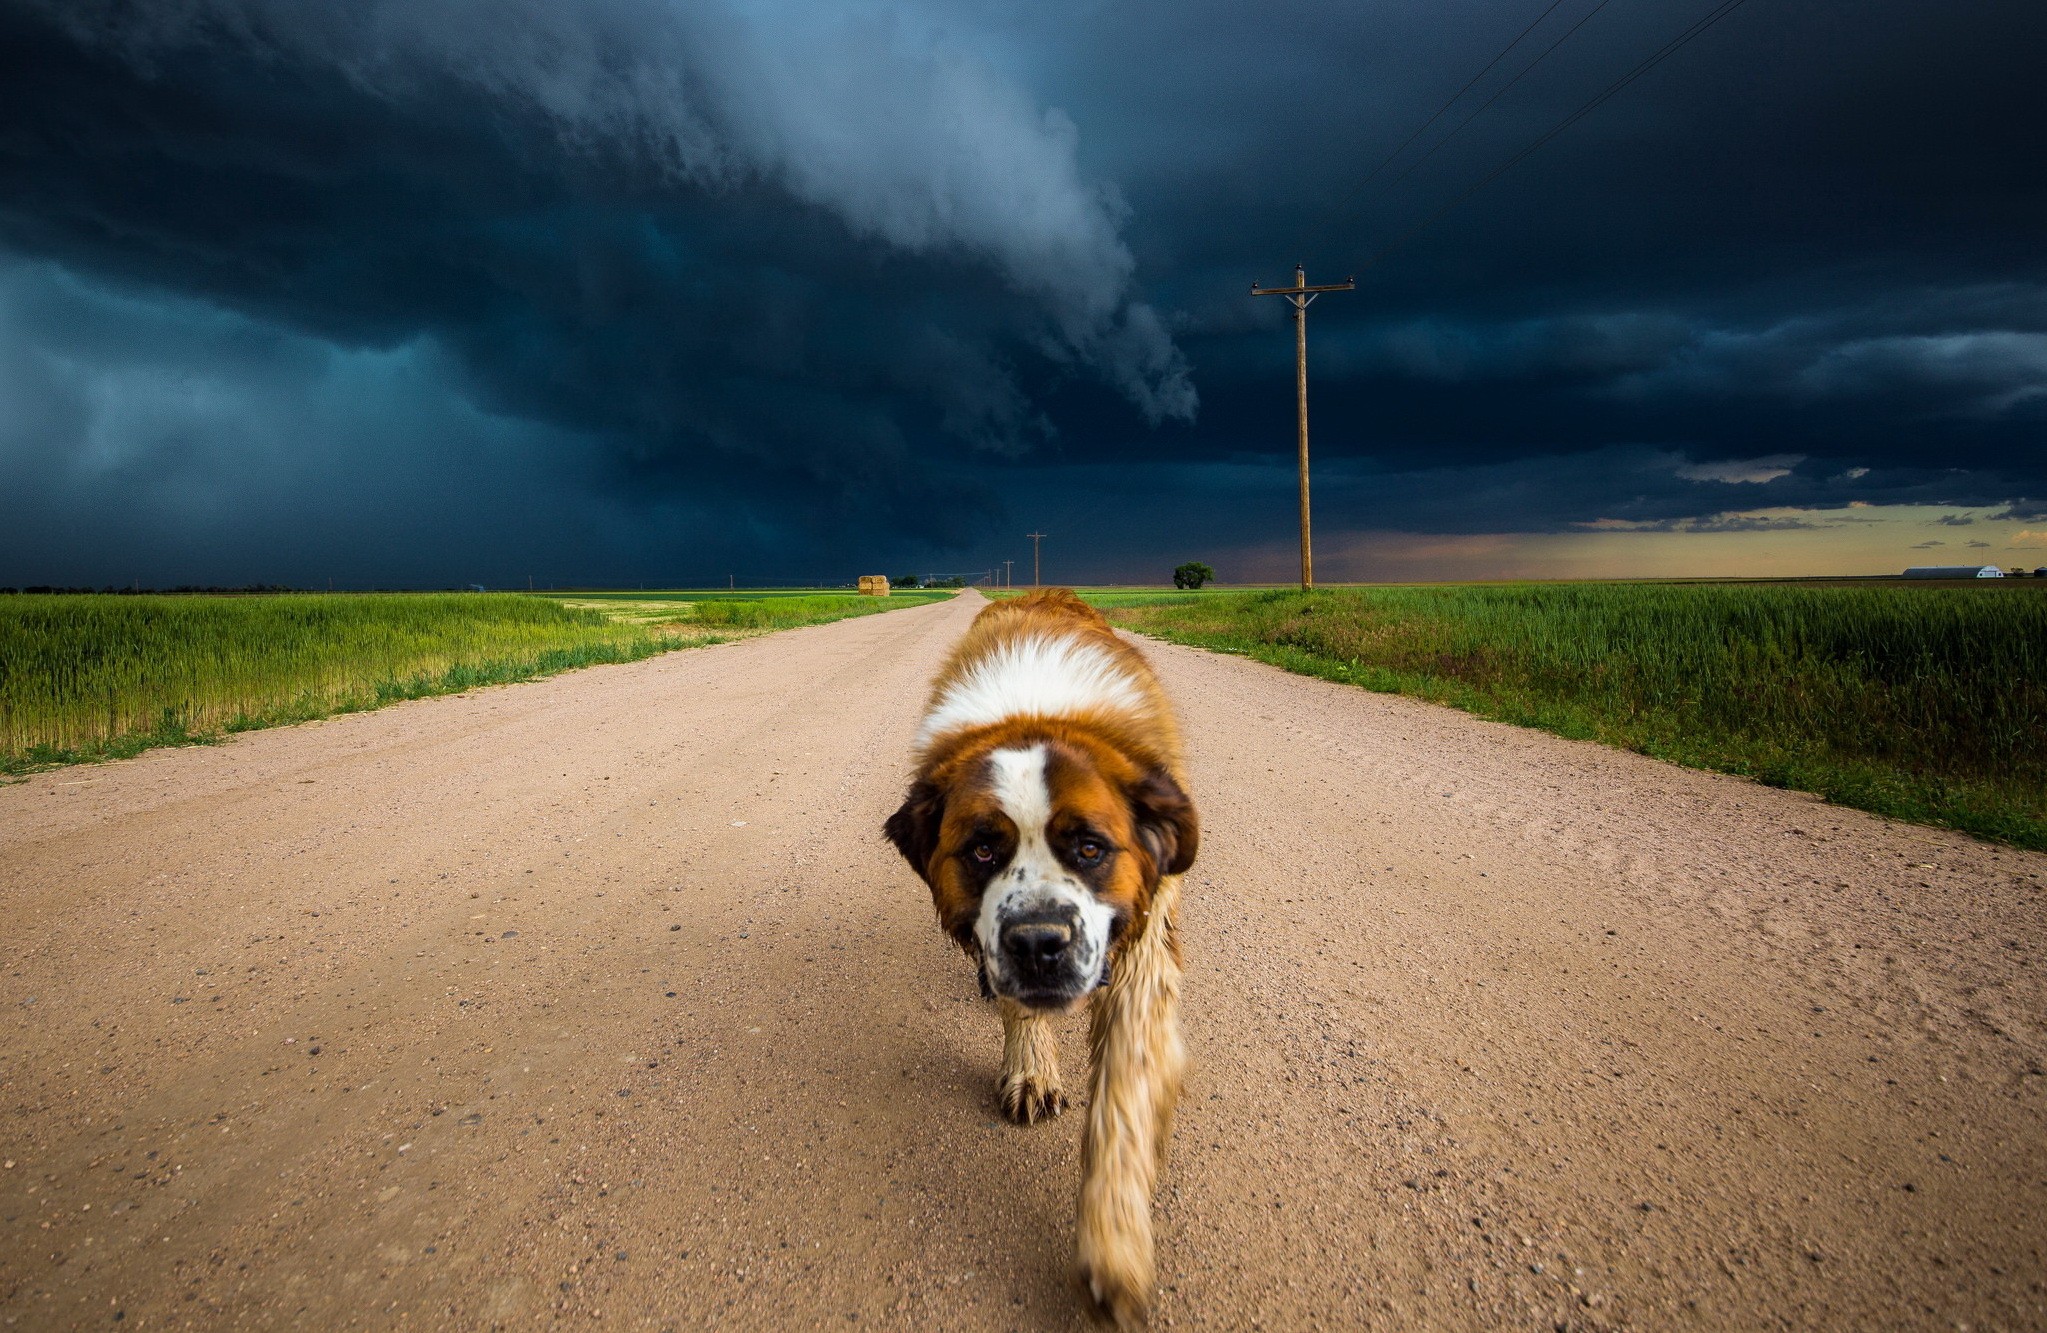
point(1923, 703)
point(92, 677)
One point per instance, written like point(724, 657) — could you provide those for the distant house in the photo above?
point(1954, 572)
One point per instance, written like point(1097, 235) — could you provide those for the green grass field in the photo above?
point(1927, 703)
point(86, 677)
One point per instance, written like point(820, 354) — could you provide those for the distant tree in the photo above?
point(1192, 575)
point(903, 581)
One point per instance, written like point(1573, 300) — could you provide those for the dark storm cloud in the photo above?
point(780, 268)
point(659, 289)
point(901, 137)
point(1817, 231)
point(134, 425)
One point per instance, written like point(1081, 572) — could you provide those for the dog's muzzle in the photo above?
point(1044, 957)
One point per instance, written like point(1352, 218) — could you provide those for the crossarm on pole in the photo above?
point(1256, 290)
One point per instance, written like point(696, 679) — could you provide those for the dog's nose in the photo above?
point(1037, 942)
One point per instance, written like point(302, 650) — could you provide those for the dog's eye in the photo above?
point(984, 852)
point(1089, 851)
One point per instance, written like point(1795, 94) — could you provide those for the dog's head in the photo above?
point(1042, 849)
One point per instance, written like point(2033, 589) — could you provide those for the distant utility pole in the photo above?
point(1300, 296)
point(1035, 537)
point(1006, 581)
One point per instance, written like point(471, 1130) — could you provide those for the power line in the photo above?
point(1500, 92)
point(1661, 54)
point(1469, 85)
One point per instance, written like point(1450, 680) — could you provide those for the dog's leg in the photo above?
point(1138, 1060)
point(1030, 1087)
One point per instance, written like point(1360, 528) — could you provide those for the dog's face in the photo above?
point(1041, 852)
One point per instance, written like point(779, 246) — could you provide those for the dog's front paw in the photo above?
point(1118, 1295)
point(1029, 1098)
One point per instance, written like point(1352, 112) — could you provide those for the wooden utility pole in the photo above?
point(1006, 582)
point(1300, 296)
point(1035, 537)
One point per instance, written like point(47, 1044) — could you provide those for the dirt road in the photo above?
point(601, 1001)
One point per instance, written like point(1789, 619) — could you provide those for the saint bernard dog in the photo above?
point(1049, 815)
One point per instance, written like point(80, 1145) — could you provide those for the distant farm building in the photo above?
point(1954, 572)
point(873, 585)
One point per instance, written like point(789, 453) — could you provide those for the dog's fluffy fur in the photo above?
point(1049, 815)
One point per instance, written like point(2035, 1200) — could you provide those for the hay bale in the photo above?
point(874, 585)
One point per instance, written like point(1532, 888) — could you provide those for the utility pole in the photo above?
point(1035, 537)
point(1300, 296)
point(1006, 582)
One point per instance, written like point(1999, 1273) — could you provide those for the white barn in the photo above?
point(1954, 572)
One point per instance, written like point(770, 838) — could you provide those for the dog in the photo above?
point(1049, 815)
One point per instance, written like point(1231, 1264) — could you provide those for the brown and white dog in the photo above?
point(1049, 815)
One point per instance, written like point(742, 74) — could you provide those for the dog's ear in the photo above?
point(1166, 821)
point(913, 828)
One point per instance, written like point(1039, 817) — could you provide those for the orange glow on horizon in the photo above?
point(1773, 543)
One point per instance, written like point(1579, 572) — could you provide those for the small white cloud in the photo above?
point(2030, 538)
point(1730, 521)
point(1738, 471)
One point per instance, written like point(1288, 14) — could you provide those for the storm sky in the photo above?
point(437, 292)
